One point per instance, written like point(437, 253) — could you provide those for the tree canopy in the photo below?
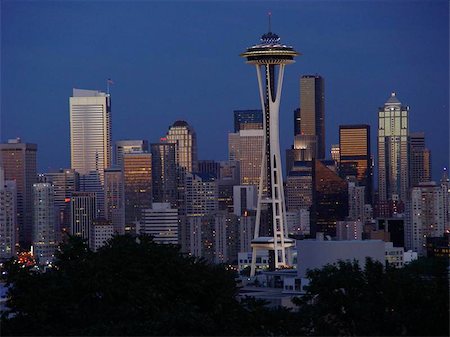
point(133, 286)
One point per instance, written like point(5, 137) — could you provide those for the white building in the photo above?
point(394, 255)
point(312, 254)
point(349, 230)
point(161, 222)
point(426, 218)
point(245, 198)
point(100, 232)
point(8, 217)
point(90, 131)
point(44, 216)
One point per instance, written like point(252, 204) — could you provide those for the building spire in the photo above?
point(270, 21)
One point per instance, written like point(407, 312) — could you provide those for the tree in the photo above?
point(128, 287)
point(343, 299)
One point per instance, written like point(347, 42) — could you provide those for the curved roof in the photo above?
point(180, 123)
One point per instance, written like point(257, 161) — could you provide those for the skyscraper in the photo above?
point(161, 222)
point(90, 131)
point(65, 182)
point(185, 140)
point(164, 173)
point(44, 236)
point(83, 213)
point(393, 167)
point(426, 216)
point(330, 203)
point(419, 159)
point(248, 119)
point(271, 56)
point(312, 110)
point(137, 170)
point(8, 217)
point(115, 199)
point(19, 163)
point(241, 147)
point(354, 144)
point(128, 146)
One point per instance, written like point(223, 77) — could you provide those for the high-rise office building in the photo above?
point(115, 199)
point(90, 131)
point(312, 110)
point(137, 170)
point(304, 149)
point(426, 216)
point(209, 167)
point(83, 213)
point(185, 140)
point(335, 153)
point(92, 182)
point(229, 176)
point(356, 201)
point(393, 167)
point(243, 146)
point(161, 222)
point(299, 186)
point(248, 119)
point(65, 182)
point(201, 194)
point(164, 173)
point(330, 199)
point(245, 198)
point(19, 163)
point(100, 231)
point(419, 159)
point(355, 156)
point(44, 236)
point(128, 146)
point(8, 217)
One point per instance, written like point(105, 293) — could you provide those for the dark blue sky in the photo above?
point(179, 60)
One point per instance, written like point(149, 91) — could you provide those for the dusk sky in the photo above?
point(180, 60)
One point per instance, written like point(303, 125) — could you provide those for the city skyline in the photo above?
point(204, 81)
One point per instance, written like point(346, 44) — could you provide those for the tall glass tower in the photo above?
point(270, 57)
point(393, 168)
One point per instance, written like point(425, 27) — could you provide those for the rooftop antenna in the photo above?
point(270, 21)
point(108, 83)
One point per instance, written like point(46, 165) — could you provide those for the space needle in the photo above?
point(270, 57)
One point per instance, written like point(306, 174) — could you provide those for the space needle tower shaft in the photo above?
point(270, 57)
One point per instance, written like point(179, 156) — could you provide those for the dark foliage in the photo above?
point(136, 287)
point(344, 300)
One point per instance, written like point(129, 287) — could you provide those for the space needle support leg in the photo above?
point(261, 181)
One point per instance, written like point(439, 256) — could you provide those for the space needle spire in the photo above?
point(270, 57)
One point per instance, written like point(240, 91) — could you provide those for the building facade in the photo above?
point(90, 131)
point(161, 222)
point(44, 216)
point(115, 199)
point(19, 164)
point(137, 171)
point(83, 213)
point(393, 164)
point(8, 217)
point(244, 146)
point(312, 110)
point(355, 153)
